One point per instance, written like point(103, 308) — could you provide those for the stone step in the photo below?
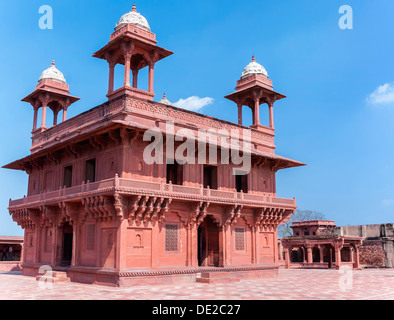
point(52, 279)
point(217, 277)
point(217, 280)
point(59, 274)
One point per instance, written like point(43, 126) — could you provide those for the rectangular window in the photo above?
point(241, 183)
point(90, 170)
point(239, 239)
point(68, 177)
point(171, 238)
point(90, 236)
point(210, 177)
point(175, 173)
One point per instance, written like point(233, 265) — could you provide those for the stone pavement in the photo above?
point(295, 284)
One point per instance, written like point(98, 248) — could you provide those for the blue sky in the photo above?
point(327, 74)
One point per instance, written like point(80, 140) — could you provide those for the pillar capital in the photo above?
point(111, 59)
point(44, 99)
point(127, 48)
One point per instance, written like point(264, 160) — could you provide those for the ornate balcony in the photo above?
point(146, 188)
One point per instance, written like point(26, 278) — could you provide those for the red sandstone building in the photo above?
point(314, 244)
point(96, 210)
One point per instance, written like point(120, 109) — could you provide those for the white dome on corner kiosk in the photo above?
point(133, 18)
point(52, 73)
point(254, 68)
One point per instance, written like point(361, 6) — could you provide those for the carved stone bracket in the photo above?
point(203, 212)
point(269, 218)
point(51, 215)
point(100, 208)
point(26, 218)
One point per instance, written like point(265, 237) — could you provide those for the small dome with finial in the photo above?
point(52, 73)
point(133, 18)
point(165, 101)
point(254, 68)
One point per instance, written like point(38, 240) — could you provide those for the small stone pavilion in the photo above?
point(11, 252)
point(315, 245)
point(96, 211)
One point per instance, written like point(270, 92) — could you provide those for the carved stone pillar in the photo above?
point(127, 48)
point(271, 114)
point(111, 77)
point(356, 264)
point(287, 258)
point(36, 107)
point(321, 248)
point(256, 120)
point(44, 104)
point(55, 113)
point(151, 76)
point(135, 78)
point(310, 256)
point(240, 114)
point(253, 249)
point(338, 258)
point(222, 245)
point(127, 58)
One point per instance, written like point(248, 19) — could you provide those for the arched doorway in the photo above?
point(67, 244)
point(208, 243)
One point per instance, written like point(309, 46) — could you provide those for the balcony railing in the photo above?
point(139, 187)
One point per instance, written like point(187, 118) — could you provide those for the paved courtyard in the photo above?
point(289, 285)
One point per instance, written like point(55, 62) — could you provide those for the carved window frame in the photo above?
point(244, 239)
point(173, 224)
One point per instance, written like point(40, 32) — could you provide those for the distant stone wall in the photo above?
point(367, 231)
point(379, 235)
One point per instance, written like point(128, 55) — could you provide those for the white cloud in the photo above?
point(193, 103)
point(382, 95)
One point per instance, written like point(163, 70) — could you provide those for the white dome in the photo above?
point(166, 101)
point(134, 18)
point(254, 68)
point(52, 73)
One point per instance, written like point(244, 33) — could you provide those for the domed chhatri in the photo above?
point(165, 101)
point(254, 68)
point(52, 73)
point(134, 18)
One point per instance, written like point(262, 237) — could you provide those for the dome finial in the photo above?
point(254, 68)
point(52, 73)
point(166, 101)
point(133, 18)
